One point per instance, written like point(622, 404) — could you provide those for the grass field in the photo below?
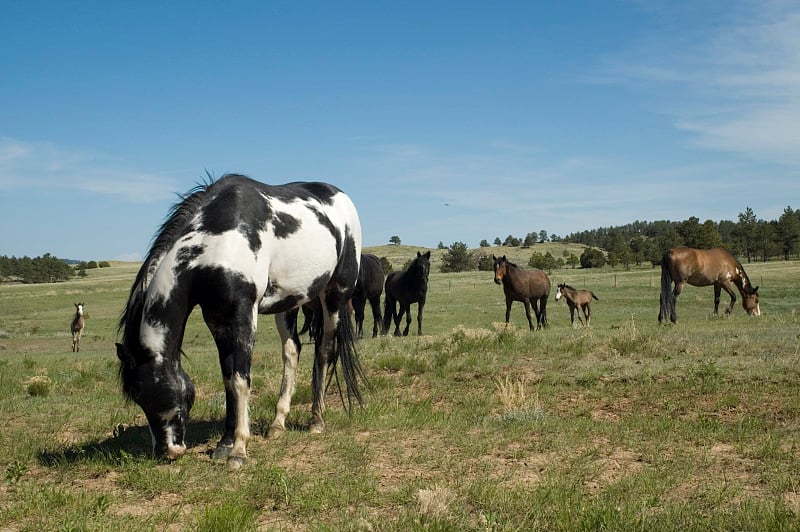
point(626, 425)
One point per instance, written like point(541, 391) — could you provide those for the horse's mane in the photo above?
point(744, 273)
point(173, 227)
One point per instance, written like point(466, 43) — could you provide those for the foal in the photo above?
point(577, 299)
point(77, 327)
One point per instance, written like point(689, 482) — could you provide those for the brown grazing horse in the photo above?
point(700, 267)
point(577, 299)
point(76, 327)
point(531, 287)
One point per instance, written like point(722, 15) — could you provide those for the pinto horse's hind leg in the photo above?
point(290, 351)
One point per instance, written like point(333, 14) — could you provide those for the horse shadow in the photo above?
point(126, 442)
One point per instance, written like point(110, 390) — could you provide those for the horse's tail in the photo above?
point(389, 308)
point(347, 355)
point(594, 296)
point(667, 296)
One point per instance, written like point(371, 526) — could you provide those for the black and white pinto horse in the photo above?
point(239, 248)
point(404, 288)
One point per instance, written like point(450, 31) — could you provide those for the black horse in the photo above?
point(406, 287)
point(368, 288)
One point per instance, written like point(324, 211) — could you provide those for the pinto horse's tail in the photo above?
point(346, 354)
point(667, 296)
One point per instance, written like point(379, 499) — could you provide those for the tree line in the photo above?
point(44, 269)
point(748, 238)
point(637, 243)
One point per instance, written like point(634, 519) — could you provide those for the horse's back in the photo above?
point(700, 267)
point(538, 283)
point(281, 243)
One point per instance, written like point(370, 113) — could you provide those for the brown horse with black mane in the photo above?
point(577, 299)
point(531, 287)
point(700, 267)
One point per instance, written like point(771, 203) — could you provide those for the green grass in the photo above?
point(626, 425)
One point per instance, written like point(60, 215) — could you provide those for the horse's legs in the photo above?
point(528, 313)
point(542, 317)
point(727, 287)
point(397, 316)
point(358, 310)
point(572, 313)
point(406, 307)
point(508, 308)
point(234, 336)
point(290, 352)
point(322, 355)
point(587, 313)
point(375, 303)
point(420, 306)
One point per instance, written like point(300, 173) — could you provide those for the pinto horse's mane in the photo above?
point(173, 227)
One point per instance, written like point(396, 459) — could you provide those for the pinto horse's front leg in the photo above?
point(234, 339)
point(290, 351)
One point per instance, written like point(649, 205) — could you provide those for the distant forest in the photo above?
point(749, 238)
point(44, 269)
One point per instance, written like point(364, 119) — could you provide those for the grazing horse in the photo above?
point(531, 287)
point(76, 327)
point(700, 267)
point(577, 299)
point(368, 288)
point(406, 287)
point(239, 248)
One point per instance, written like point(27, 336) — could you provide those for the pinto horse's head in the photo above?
point(750, 301)
point(164, 392)
point(499, 267)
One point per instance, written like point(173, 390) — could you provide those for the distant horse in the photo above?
point(76, 327)
point(404, 288)
point(577, 299)
point(368, 288)
point(700, 267)
point(531, 287)
point(239, 248)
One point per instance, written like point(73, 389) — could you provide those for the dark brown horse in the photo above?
point(577, 299)
point(76, 327)
point(531, 287)
point(700, 267)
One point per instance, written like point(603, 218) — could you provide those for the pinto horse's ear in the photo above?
point(755, 290)
point(419, 254)
point(428, 254)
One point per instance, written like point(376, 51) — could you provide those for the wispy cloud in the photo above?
point(44, 165)
point(735, 88)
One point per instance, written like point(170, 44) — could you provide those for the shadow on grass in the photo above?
point(127, 442)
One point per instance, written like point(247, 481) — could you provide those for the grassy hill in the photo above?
point(399, 255)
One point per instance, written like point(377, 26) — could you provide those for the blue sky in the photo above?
point(444, 121)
